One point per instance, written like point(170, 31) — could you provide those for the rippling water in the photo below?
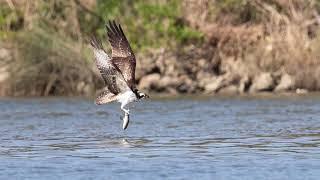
point(220, 138)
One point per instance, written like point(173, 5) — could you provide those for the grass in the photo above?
point(47, 64)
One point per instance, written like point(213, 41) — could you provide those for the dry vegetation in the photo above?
point(279, 37)
point(221, 46)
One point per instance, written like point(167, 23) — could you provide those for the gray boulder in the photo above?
point(262, 82)
point(149, 81)
point(286, 83)
point(229, 90)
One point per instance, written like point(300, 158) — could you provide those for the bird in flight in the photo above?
point(117, 71)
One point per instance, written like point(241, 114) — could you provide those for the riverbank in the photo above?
point(240, 48)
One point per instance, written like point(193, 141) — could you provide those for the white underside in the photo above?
point(126, 98)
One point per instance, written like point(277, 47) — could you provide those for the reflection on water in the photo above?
point(222, 138)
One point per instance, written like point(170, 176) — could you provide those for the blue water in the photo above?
point(188, 138)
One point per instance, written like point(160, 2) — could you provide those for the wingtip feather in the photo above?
point(96, 43)
point(113, 29)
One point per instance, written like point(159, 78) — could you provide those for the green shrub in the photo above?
point(149, 23)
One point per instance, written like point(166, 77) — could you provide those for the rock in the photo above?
point(203, 75)
point(4, 54)
point(146, 66)
point(243, 84)
point(149, 81)
point(262, 82)
point(204, 78)
point(167, 81)
point(229, 90)
point(301, 91)
point(84, 88)
point(5, 58)
point(4, 74)
point(187, 84)
point(171, 70)
point(80, 86)
point(202, 63)
point(219, 82)
point(172, 91)
point(286, 83)
point(87, 90)
point(214, 85)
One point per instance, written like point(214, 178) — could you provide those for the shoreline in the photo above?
point(275, 53)
point(163, 96)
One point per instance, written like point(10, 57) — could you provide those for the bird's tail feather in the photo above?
point(105, 97)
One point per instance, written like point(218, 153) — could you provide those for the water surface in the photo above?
point(190, 138)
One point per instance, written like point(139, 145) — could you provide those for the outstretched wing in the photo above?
point(122, 56)
point(112, 77)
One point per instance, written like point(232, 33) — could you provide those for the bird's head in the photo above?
point(143, 95)
point(140, 95)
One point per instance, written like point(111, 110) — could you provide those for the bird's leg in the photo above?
point(125, 110)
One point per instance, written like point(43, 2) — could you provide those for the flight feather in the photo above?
point(123, 57)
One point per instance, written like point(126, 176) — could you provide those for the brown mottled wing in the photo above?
point(105, 97)
point(112, 77)
point(122, 56)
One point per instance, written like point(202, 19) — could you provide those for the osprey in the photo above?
point(118, 71)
